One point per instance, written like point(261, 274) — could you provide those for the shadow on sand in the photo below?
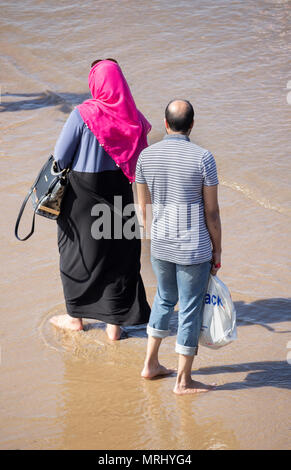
point(260, 374)
point(32, 101)
point(261, 312)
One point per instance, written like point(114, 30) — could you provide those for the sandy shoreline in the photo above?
point(80, 391)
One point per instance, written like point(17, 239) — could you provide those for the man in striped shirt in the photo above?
point(179, 179)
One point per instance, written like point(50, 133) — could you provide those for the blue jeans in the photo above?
point(188, 284)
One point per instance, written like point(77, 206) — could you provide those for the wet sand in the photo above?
point(64, 390)
point(79, 390)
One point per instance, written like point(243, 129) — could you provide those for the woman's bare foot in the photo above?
point(113, 332)
point(151, 371)
point(192, 387)
point(67, 322)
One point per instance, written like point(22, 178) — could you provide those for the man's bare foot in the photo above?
point(149, 372)
point(192, 387)
point(113, 332)
point(67, 322)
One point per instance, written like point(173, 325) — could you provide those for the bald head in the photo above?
point(179, 116)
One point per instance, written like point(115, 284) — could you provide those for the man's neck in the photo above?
point(170, 132)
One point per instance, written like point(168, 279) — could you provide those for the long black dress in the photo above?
point(101, 277)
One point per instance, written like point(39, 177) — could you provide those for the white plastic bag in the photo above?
point(219, 316)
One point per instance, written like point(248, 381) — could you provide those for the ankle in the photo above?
point(151, 362)
point(113, 332)
point(183, 380)
point(77, 321)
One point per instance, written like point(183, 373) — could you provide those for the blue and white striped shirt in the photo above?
point(175, 170)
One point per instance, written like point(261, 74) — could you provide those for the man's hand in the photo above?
point(216, 262)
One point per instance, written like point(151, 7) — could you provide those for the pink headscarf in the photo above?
point(113, 118)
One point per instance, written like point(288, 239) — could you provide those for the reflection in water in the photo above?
point(138, 414)
point(174, 426)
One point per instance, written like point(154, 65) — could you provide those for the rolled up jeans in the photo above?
point(188, 284)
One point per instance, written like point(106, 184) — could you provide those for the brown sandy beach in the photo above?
point(78, 390)
point(63, 390)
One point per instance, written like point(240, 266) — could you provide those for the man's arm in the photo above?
point(144, 202)
point(212, 217)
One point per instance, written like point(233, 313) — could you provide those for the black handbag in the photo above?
point(46, 194)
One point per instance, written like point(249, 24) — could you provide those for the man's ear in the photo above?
point(190, 128)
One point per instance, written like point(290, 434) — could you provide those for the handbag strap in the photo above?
point(19, 218)
point(56, 174)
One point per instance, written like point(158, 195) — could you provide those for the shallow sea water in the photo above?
point(80, 391)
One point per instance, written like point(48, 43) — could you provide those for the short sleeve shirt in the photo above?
point(175, 171)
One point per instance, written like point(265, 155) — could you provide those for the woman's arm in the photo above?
point(68, 140)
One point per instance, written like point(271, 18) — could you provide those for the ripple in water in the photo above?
point(93, 340)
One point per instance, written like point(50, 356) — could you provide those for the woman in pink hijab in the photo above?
point(98, 240)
